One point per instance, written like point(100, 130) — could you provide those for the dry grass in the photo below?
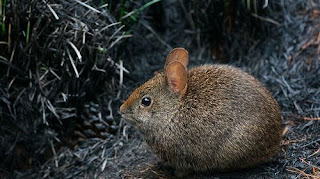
point(64, 64)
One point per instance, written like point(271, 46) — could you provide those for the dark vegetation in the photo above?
point(66, 66)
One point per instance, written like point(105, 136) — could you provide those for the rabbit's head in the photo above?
point(155, 103)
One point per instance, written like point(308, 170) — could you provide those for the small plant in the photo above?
point(126, 12)
point(133, 14)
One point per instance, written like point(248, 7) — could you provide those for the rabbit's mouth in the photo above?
point(130, 118)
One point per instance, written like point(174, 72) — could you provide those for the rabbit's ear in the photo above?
point(177, 77)
point(178, 54)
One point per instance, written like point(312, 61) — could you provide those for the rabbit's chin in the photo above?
point(131, 119)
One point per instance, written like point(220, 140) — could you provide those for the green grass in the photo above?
point(147, 5)
point(28, 32)
point(126, 11)
point(3, 4)
point(132, 18)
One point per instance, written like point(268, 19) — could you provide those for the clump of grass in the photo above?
point(55, 58)
point(50, 66)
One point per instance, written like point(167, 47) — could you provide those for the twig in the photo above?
point(103, 166)
point(301, 172)
point(54, 154)
point(314, 153)
point(115, 42)
point(75, 49)
point(121, 78)
point(3, 58)
point(11, 58)
point(57, 76)
point(304, 161)
point(129, 14)
point(52, 11)
point(72, 63)
point(52, 109)
point(117, 65)
point(44, 112)
point(87, 6)
point(43, 75)
point(287, 142)
point(311, 118)
point(267, 19)
point(285, 130)
point(265, 4)
point(108, 26)
point(18, 97)
point(118, 30)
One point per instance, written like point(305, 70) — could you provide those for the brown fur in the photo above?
point(226, 120)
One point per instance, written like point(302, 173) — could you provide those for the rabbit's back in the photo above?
point(229, 91)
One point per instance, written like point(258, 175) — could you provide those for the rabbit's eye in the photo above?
point(146, 101)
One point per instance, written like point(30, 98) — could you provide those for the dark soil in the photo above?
point(280, 47)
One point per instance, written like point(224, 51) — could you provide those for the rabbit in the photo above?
point(210, 117)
